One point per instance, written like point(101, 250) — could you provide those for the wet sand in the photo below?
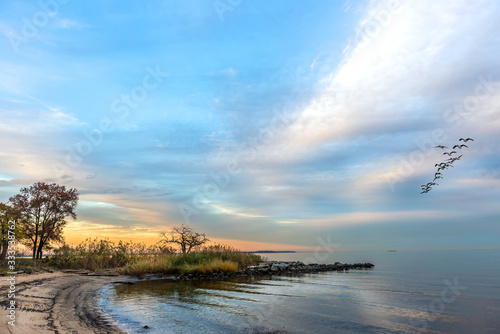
point(57, 303)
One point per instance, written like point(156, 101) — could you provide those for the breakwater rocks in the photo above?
point(300, 267)
point(280, 268)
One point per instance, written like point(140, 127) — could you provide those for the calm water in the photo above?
point(406, 292)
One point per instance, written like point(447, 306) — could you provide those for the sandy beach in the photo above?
point(57, 303)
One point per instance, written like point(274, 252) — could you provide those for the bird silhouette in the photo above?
point(447, 163)
point(445, 166)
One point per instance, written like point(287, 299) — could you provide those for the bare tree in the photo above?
point(185, 237)
point(44, 209)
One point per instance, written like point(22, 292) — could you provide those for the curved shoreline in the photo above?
point(69, 302)
point(58, 303)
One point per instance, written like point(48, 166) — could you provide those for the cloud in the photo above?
point(69, 24)
point(319, 140)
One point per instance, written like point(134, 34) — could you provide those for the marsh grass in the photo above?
point(208, 260)
point(138, 259)
point(26, 264)
point(96, 254)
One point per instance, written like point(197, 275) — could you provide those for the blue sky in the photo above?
point(274, 125)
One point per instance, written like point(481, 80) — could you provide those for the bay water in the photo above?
point(454, 291)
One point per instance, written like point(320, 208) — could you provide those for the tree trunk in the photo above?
point(4, 247)
point(39, 252)
point(35, 242)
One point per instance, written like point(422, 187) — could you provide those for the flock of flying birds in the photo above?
point(445, 164)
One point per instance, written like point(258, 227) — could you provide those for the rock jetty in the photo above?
point(280, 268)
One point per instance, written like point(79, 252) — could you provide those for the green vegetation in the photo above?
point(208, 260)
point(37, 216)
point(138, 259)
point(26, 265)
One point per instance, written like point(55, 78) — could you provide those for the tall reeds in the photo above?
point(138, 259)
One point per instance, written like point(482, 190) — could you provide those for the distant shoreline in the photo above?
point(270, 251)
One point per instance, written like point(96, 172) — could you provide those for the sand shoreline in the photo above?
point(57, 303)
point(63, 302)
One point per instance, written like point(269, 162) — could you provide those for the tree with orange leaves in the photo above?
point(44, 210)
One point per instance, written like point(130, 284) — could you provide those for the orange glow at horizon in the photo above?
point(77, 232)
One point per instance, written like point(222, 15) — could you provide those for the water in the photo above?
point(406, 292)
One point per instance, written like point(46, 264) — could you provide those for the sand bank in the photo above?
point(56, 303)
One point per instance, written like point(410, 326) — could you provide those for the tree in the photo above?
point(8, 214)
point(185, 237)
point(44, 209)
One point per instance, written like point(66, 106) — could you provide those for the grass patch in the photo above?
point(208, 260)
point(26, 264)
point(138, 259)
point(215, 266)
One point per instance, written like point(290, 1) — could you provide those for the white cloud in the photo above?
point(410, 67)
point(68, 24)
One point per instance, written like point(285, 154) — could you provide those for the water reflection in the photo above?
point(212, 306)
point(388, 299)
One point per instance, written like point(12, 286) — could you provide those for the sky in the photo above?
point(281, 125)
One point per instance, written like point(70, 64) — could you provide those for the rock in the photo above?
point(277, 268)
point(124, 282)
point(146, 327)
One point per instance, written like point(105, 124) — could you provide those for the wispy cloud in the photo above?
point(65, 23)
point(321, 117)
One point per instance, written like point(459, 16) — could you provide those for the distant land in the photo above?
point(270, 251)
